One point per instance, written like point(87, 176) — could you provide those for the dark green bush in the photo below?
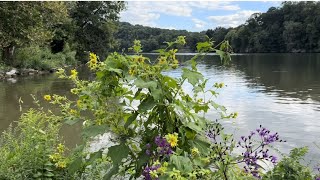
point(41, 58)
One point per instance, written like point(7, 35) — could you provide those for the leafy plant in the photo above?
point(157, 130)
point(291, 168)
point(33, 150)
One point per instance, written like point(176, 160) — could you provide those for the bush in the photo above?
point(41, 58)
point(32, 150)
point(291, 168)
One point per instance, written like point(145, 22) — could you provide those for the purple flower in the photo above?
point(251, 155)
point(146, 171)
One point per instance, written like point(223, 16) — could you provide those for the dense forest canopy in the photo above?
point(83, 27)
point(292, 27)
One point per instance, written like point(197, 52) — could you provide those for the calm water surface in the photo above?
point(278, 91)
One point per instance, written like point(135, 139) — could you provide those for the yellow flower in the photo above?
point(162, 60)
point(93, 61)
point(79, 103)
point(172, 139)
point(72, 111)
point(60, 148)
point(54, 157)
point(47, 97)
point(61, 164)
point(195, 151)
point(131, 72)
point(74, 74)
point(74, 91)
point(154, 174)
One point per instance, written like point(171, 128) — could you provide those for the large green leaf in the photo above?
point(193, 77)
point(118, 152)
point(143, 84)
point(181, 163)
point(146, 104)
point(131, 119)
point(75, 165)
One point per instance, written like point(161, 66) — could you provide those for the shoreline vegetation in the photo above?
point(293, 27)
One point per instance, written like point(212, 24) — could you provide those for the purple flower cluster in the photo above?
point(146, 171)
point(163, 147)
point(253, 154)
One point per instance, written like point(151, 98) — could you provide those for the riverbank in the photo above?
point(14, 72)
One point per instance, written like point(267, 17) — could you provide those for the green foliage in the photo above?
point(41, 58)
point(154, 38)
point(23, 23)
point(94, 26)
point(291, 168)
point(292, 27)
point(26, 149)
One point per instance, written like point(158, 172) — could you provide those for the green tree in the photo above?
point(95, 25)
point(22, 23)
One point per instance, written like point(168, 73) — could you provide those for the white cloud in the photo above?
point(215, 5)
point(231, 20)
point(198, 23)
point(147, 13)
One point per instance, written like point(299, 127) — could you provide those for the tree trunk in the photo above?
point(7, 55)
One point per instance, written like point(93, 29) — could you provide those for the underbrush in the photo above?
point(41, 58)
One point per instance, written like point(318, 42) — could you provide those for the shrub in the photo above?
point(291, 168)
point(32, 150)
point(158, 130)
point(41, 58)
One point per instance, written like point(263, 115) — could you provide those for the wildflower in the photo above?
point(60, 148)
point(153, 174)
point(47, 97)
point(74, 91)
point(172, 139)
point(61, 73)
point(195, 151)
point(61, 164)
point(93, 61)
point(131, 71)
point(192, 175)
point(175, 174)
point(163, 146)
point(79, 103)
point(54, 157)
point(162, 60)
point(72, 111)
point(150, 173)
point(74, 74)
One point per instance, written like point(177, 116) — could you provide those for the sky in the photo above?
point(193, 16)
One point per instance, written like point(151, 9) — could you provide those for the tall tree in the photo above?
point(95, 25)
point(22, 23)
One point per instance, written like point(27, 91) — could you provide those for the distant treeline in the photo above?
point(292, 27)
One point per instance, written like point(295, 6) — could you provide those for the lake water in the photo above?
point(279, 91)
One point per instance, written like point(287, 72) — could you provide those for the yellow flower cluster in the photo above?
point(74, 74)
point(47, 97)
point(162, 60)
point(57, 157)
point(93, 61)
point(172, 139)
point(195, 151)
